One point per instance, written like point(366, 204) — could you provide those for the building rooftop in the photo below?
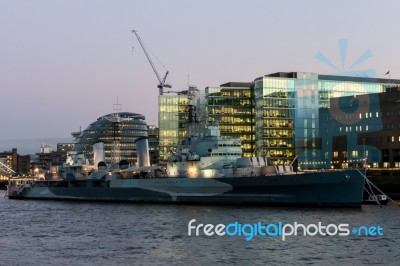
point(237, 84)
point(334, 78)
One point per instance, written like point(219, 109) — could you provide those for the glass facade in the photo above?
point(173, 119)
point(287, 112)
point(346, 119)
point(336, 88)
point(361, 131)
point(276, 116)
point(275, 113)
point(118, 137)
point(232, 110)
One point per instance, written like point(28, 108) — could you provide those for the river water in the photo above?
point(83, 233)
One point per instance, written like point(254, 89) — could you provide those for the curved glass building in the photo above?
point(119, 132)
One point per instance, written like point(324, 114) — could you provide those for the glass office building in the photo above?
point(173, 122)
point(177, 113)
point(173, 117)
point(276, 116)
point(287, 112)
point(361, 131)
point(118, 132)
point(231, 108)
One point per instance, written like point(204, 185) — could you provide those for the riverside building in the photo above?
point(11, 162)
point(174, 114)
point(287, 112)
point(119, 133)
point(231, 108)
point(362, 130)
point(276, 116)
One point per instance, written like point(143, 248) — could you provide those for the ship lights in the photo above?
point(192, 171)
point(208, 173)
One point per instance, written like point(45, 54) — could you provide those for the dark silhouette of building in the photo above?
point(18, 163)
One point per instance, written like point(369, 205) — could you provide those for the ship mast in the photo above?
point(116, 120)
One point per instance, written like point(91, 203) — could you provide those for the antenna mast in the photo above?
point(116, 120)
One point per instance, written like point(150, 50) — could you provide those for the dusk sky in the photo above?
point(64, 63)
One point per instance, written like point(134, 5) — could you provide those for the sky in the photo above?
point(64, 63)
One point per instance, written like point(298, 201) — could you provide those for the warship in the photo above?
point(206, 169)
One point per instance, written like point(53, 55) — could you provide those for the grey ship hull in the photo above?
point(331, 188)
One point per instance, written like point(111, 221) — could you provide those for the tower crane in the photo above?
point(162, 83)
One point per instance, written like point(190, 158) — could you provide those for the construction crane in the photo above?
point(162, 83)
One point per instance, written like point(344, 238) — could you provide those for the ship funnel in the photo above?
point(142, 151)
point(98, 152)
point(123, 164)
point(101, 166)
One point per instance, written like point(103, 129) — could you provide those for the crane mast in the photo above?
point(162, 83)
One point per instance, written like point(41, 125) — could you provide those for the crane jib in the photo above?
point(162, 83)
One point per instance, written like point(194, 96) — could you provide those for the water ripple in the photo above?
point(77, 233)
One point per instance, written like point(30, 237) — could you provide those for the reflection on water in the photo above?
point(80, 233)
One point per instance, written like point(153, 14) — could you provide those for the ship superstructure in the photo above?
point(206, 169)
point(208, 155)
